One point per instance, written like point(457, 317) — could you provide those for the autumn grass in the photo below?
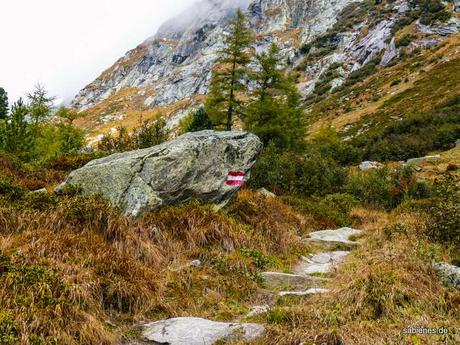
point(73, 270)
point(386, 285)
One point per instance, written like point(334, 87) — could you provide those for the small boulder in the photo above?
point(368, 165)
point(450, 274)
point(208, 166)
point(258, 309)
point(198, 331)
point(266, 193)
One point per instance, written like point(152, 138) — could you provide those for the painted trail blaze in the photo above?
point(235, 178)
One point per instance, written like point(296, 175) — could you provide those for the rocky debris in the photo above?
point(274, 280)
point(38, 191)
point(373, 43)
point(198, 331)
point(335, 237)
point(419, 160)
point(193, 166)
point(196, 264)
point(368, 165)
point(391, 53)
point(314, 291)
point(258, 309)
point(321, 263)
point(266, 193)
point(457, 5)
point(451, 27)
point(450, 274)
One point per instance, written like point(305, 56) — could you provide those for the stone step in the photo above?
point(331, 238)
point(198, 331)
point(275, 280)
point(322, 263)
point(314, 291)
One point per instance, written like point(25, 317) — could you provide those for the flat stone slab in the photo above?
point(434, 158)
point(198, 331)
point(315, 291)
point(339, 236)
point(273, 280)
point(322, 263)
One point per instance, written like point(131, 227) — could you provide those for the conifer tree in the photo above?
point(200, 122)
point(40, 104)
point(16, 135)
point(275, 114)
point(3, 104)
point(228, 78)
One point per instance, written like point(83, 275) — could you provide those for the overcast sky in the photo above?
point(65, 44)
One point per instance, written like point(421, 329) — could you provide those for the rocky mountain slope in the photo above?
point(324, 42)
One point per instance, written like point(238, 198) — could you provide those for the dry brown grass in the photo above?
point(384, 286)
point(70, 271)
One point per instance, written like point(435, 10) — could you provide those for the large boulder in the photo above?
point(208, 166)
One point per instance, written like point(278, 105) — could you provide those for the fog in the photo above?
point(64, 45)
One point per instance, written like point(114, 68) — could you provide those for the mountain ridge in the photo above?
point(170, 71)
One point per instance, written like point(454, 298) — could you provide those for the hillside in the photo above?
point(328, 44)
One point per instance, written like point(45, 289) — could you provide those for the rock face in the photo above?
point(197, 331)
point(172, 70)
point(193, 166)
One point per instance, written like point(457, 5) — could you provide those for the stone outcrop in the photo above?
point(193, 166)
point(197, 331)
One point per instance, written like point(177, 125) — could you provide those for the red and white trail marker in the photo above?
point(235, 178)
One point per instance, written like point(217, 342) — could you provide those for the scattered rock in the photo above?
point(434, 158)
point(195, 263)
point(335, 237)
point(193, 166)
point(273, 280)
point(258, 309)
point(320, 263)
point(450, 274)
point(266, 193)
point(43, 190)
point(368, 165)
point(315, 291)
point(197, 331)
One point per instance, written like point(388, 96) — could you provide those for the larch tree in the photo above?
point(229, 74)
point(40, 104)
point(275, 113)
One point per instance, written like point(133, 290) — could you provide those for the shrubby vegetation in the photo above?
point(415, 135)
point(147, 134)
point(27, 133)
